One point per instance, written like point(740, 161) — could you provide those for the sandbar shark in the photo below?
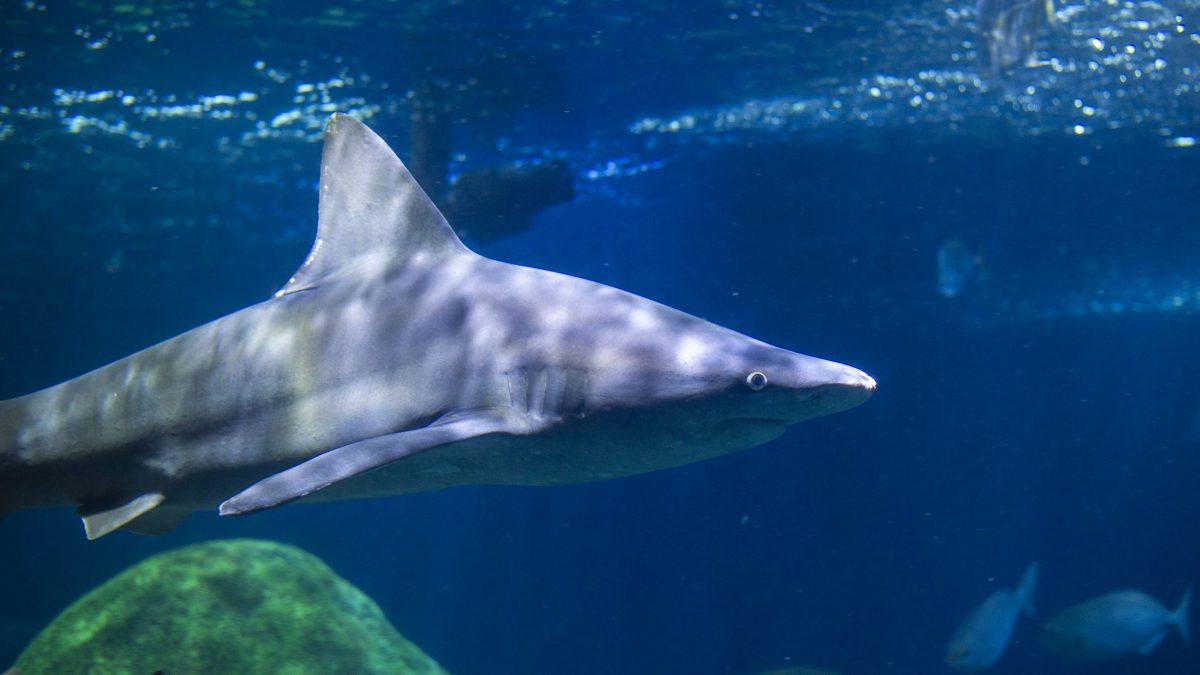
point(397, 360)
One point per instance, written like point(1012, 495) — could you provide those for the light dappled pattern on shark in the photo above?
point(396, 360)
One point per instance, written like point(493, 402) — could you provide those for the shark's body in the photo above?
point(397, 360)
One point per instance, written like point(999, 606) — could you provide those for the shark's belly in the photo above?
point(571, 453)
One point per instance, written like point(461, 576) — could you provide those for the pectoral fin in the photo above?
point(99, 523)
point(354, 459)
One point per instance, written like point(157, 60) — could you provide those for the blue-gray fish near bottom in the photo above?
point(983, 635)
point(1114, 625)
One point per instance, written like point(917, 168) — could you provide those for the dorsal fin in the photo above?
point(370, 207)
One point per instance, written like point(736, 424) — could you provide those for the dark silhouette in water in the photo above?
point(430, 141)
point(496, 203)
point(484, 205)
point(1009, 28)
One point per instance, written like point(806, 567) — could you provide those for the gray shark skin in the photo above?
point(396, 360)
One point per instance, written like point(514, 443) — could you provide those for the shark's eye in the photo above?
point(756, 380)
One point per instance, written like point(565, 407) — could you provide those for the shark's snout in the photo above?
point(857, 380)
point(823, 387)
point(795, 387)
point(848, 388)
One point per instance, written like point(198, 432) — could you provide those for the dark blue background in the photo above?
point(856, 542)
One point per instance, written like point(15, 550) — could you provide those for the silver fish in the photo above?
point(1114, 625)
point(956, 265)
point(983, 635)
point(1009, 29)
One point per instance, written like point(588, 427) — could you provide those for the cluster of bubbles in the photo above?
point(298, 109)
point(1106, 65)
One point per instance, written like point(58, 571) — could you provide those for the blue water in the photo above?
point(763, 165)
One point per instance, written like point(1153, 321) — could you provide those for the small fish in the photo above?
point(115, 261)
point(984, 634)
point(956, 264)
point(1113, 625)
point(1009, 29)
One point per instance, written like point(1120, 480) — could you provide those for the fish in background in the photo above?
point(983, 635)
point(115, 261)
point(1114, 625)
point(487, 204)
point(956, 266)
point(494, 203)
point(1009, 29)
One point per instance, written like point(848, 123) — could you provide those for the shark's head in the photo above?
point(716, 377)
point(679, 388)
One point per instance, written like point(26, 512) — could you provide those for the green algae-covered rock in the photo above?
point(236, 606)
